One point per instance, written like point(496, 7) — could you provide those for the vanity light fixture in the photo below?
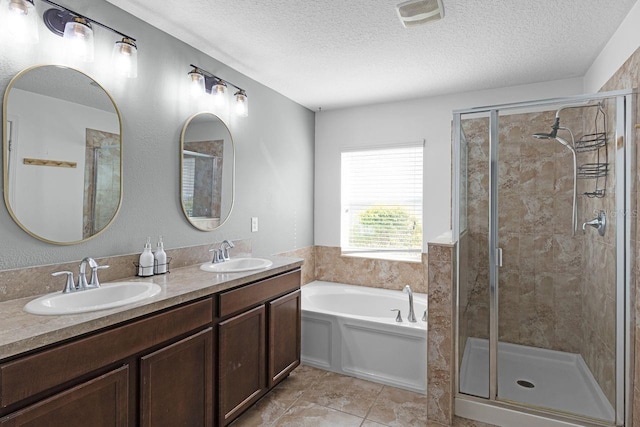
point(21, 20)
point(242, 103)
point(203, 81)
point(196, 82)
point(77, 33)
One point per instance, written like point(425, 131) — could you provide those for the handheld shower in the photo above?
point(570, 146)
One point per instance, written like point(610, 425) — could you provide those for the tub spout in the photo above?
point(412, 315)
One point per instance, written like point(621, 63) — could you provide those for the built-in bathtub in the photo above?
point(352, 330)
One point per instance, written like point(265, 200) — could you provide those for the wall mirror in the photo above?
point(207, 171)
point(62, 154)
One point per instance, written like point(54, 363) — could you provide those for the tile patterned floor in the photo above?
point(311, 397)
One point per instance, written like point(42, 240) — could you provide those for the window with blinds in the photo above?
point(381, 192)
point(188, 183)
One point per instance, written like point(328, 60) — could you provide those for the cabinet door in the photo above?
point(176, 383)
point(242, 362)
point(101, 402)
point(284, 336)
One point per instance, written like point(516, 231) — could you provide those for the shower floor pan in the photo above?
point(537, 377)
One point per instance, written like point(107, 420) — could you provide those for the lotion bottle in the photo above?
point(160, 266)
point(145, 266)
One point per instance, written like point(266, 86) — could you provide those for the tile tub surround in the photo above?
point(309, 266)
point(22, 332)
point(332, 266)
point(31, 281)
point(440, 365)
point(312, 397)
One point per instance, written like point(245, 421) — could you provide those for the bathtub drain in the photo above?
point(525, 384)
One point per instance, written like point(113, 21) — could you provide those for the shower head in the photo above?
point(554, 131)
point(543, 136)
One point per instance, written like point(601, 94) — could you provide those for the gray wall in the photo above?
point(274, 149)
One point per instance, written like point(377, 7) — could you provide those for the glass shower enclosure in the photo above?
point(544, 216)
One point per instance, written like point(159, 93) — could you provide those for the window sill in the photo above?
point(413, 257)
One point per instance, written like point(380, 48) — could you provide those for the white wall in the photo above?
point(50, 200)
point(401, 122)
point(618, 49)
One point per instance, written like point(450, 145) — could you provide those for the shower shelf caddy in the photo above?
point(600, 168)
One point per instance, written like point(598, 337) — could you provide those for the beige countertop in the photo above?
point(22, 332)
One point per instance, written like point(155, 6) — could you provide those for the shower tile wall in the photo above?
point(599, 261)
point(628, 77)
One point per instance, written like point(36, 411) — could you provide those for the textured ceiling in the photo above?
point(339, 53)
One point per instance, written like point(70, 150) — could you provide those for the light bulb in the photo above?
point(219, 94)
point(242, 103)
point(196, 83)
point(21, 21)
point(78, 39)
point(125, 58)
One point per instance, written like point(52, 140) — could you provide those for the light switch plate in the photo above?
point(254, 224)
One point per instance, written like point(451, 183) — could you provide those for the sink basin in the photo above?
point(109, 295)
point(237, 265)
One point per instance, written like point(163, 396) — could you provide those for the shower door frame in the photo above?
point(625, 168)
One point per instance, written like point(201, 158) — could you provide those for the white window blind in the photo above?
point(188, 182)
point(381, 192)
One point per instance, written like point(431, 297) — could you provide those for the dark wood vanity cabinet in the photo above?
point(96, 380)
point(199, 364)
point(284, 336)
point(176, 383)
point(100, 402)
point(242, 351)
point(258, 341)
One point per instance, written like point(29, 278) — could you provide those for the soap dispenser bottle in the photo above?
point(145, 266)
point(160, 266)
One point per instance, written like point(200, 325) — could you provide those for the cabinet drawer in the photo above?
point(99, 402)
point(38, 372)
point(247, 296)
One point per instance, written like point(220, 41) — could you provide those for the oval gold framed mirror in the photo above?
point(207, 171)
point(62, 154)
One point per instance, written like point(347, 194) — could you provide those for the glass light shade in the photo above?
point(219, 94)
point(78, 39)
point(125, 58)
point(242, 104)
point(196, 83)
point(20, 21)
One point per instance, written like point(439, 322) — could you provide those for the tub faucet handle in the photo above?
point(424, 316)
point(399, 316)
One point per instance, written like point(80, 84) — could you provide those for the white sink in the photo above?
point(236, 265)
point(109, 295)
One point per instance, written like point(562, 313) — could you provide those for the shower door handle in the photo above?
point(499, 257)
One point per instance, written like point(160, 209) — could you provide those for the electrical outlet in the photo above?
point(254, 224)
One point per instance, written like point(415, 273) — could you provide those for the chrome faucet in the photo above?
point(224, 249)
point(222, 254)
point(69, 286)
point(82, 276)
point(412, 315)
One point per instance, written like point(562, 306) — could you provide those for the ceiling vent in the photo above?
point(418, 12)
